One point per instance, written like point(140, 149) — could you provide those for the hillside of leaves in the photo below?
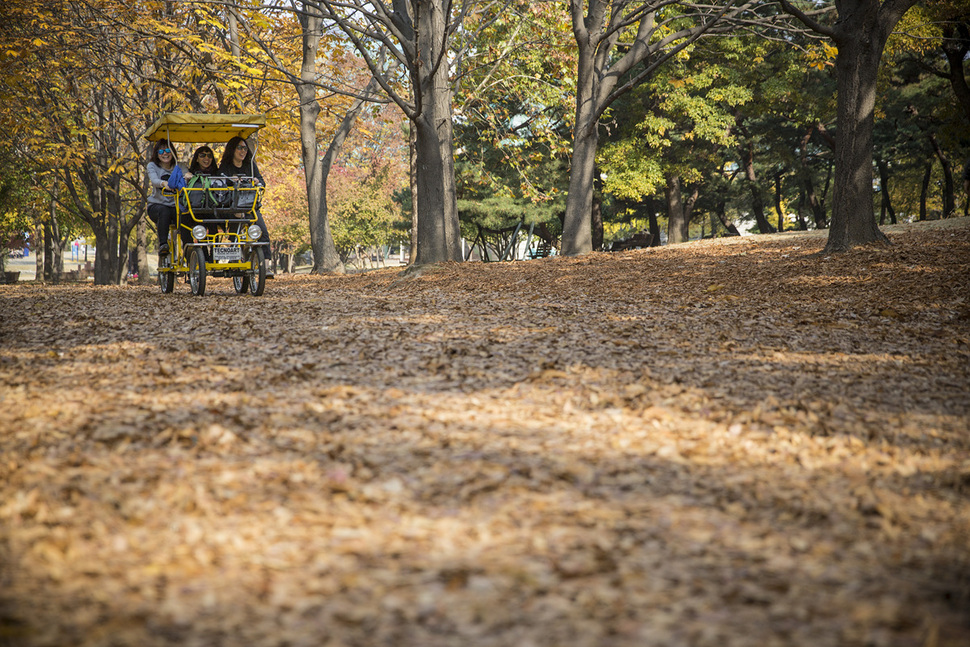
point(730, 442)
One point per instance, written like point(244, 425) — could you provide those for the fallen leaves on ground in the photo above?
point(731, 442)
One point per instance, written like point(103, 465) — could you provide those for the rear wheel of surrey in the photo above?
point(197, 271)
point(166, 278)
point(257, 264)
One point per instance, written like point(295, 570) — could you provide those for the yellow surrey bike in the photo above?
point(220, 215)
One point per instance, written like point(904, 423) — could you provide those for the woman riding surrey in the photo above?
point(203, 162)
point(161, 205)
point(237, 161)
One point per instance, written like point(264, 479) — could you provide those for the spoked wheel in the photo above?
point(241, 283)
point(166, 277)
point(257, 265)
point(197, 271)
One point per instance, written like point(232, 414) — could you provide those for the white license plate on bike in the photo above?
point(227, 254)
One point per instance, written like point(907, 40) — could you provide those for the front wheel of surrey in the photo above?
point(166, 279)
point(197, 271)
point(241, 283)
point(257, 280)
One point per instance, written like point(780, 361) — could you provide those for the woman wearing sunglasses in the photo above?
point(161, 202)
point(237, 161)
point(203, 162)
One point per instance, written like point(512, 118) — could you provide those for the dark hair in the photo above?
point(163, 143)
point(227, 159)
point(195, 166)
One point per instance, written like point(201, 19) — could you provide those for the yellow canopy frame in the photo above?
point(184, 127)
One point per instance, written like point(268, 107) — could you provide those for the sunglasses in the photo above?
point(205, 154)
point(162, 151)
point(242, 147)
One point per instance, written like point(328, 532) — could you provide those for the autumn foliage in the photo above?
point(730, 442)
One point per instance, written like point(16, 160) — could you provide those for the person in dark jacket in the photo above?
point(237, 161)
point(203, 162)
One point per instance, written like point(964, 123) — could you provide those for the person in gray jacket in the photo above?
point(161, 202)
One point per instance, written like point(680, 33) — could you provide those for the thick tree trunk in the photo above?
point(861, 35)
point(853, 219)
point(678, 225)
point(439, 232)
point(577, 236)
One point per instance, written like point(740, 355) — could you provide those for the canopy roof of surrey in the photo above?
point(208, 128)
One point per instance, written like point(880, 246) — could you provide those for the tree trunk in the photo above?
point(861, 37)
point(800, 211)
point(48, 274)
point(860, 34)
point(949, 201)
point(778, 209)
point(39, 253)
point(816, 206)
point(925, 191)
point(102, 257)
point(577, 237)
point(757, 199)
point(141, 244)
point(721, 214)
point(413, 179)
point(678, 225)
point(652, 220)
point(956, 45)
point(439, 233)
point(886, 202)
point(326, 260)
point(596, 223)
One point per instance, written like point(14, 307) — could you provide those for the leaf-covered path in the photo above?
point(731, 442)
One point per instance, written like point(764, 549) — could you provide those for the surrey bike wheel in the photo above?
point(197, 271)
point(166, 277)
point(241, 283)
point(257, 278)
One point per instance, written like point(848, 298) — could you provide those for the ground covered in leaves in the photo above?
point(732, 442)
